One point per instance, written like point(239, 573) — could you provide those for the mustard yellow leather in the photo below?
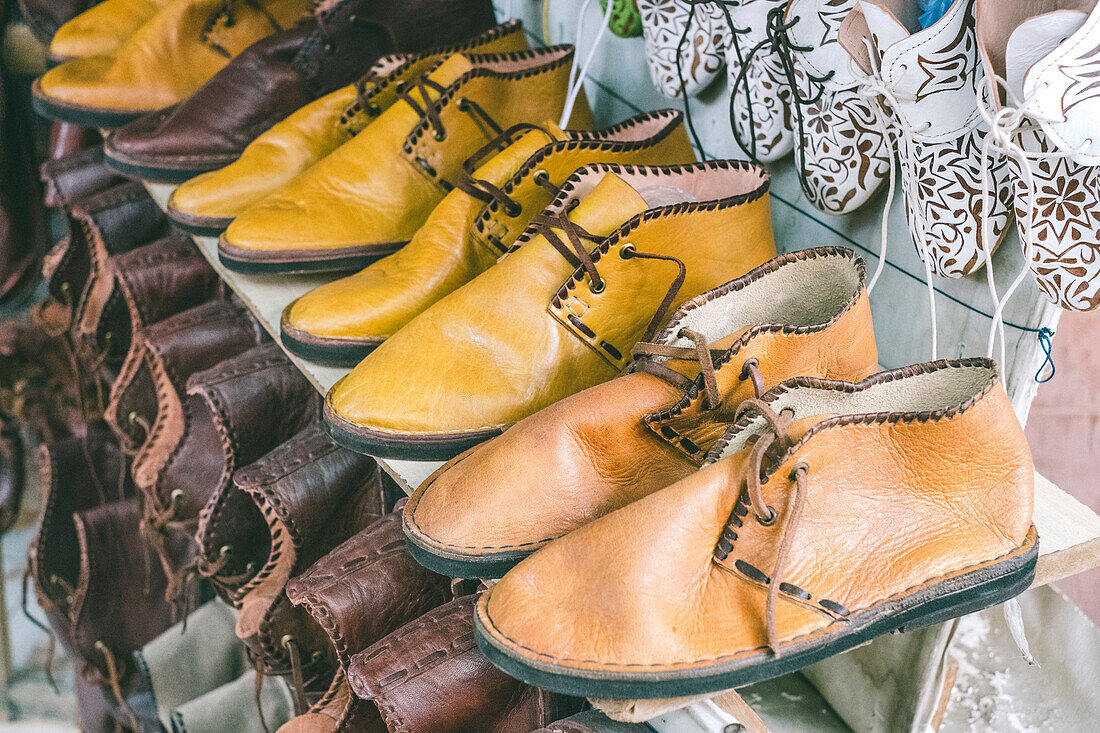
point(293, 145)
point(102, 28)
point(168, 57)
point(610, 445)
point(890, 507)
point(372, 193)
point(504, 346)
point(449, 250)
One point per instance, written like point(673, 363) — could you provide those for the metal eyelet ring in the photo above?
point(225, 550)
point(541, 177)
point(176, 495)
point(787, 411)
point(317, 656)
point(770, 519)
point(250, 568)
point(287, 640)
point(353, 18)
point(627, 251)
point(513, 209)
point(132, 417)
point(596, 290)
point(399, 87)
point(440, 135)
point(463, 104)
point(330, 47)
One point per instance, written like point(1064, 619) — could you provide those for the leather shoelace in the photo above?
point(114, 680)
point(702, 353)
point(423, 104)
point(779, 41)
point(577, 255)
point(488, 192)
point(51, 646)
point(778, 438)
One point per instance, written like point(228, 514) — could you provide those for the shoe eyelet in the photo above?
point(330, 47)
point(770, 519)
point(225, 550)
point(317, 656)
point(787, 412)
point(627, 251)
point(597, 289)
point(287, 640)
point(541, 177)
point(439, 135)
point(463, 104)
point(513, 209)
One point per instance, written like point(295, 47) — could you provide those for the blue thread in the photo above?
point(1045, 335)
point(932, 11)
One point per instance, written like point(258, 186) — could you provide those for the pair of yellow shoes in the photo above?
point(496, 294)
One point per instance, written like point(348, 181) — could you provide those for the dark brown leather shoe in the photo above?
point(276, 76)
point(366, 588)
point(430, 675)
point(77, 176)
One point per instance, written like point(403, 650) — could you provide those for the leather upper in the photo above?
point(102, 28)
point(170, 56)
point(373, 193)
point(678, 581)
point(76, 175)
point(286, 71)
point(605, 447)
point(307, 135)
point(530, 331)
point(465, 235)
point(435, 658)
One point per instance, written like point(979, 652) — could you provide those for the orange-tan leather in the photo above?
point(295, 144)
point(464, 236)
point(375, 191)
point(890, 505)
point(102, 28)
point(529, 331)
point(168, 57)
point(614, 443)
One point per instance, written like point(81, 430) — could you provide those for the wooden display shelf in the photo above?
point(1069, 532)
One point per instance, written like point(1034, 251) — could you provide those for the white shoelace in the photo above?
point(874, 89)
point(577, 73)
point(1005, 125)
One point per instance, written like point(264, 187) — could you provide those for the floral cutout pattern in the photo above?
point(703, 53)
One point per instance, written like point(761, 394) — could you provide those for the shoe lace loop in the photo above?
point(424, 106)
point(775, 438)
point(488, 192)
point(644, 353)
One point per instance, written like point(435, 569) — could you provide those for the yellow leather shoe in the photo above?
point(369, 197)
point(101, 29)
point(561, 311)
point(207, 203)
point(164, 61)
point(802, 314)
point(342, 321)
point(831, 513)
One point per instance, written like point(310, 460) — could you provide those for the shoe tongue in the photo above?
point(1035, 38)
point(885, 28)
point(450, 70)
point(610, 203)
point(690, 367)
point(502, 165)
point(800, 426)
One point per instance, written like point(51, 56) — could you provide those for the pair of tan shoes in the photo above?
point(744, 501)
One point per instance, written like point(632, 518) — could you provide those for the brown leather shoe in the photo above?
point(280, 74)
point(830, 513)
point(366, 588)
point(624, 439)
point(77, 175)
point(429, 676)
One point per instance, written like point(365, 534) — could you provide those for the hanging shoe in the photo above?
point(763, 123)
point(842, 157)
point(616, 442)
point(206, 204)
point(367, 198)
point(822, 520)
point(1046, 110)
point(170, 56)
point(626, 20)
point(690, 67)
point(273, 77)
point(924, 84)
point(343, 321)
point(560, 311)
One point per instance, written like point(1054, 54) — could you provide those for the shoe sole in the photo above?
point(202, 226)
point(290, 262)
point(494, 565)
point(949, 599)
point(78, 114)
point(334, 352)
point(440, 447)
point(145, 172)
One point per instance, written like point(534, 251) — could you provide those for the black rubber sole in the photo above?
point(941, 602)
point(81, 116)
point(494, 566)
point(151, 173)
point(199, 230)
point(343, 355)
point(297, 266)
point(404, 448)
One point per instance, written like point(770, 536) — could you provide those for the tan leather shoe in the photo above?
point(561, 311)
point(342, 321)
point(101, 29)
point(368, 198)
point(207, 203)
point(801, 314)
point(829, 514)
point(170, 56)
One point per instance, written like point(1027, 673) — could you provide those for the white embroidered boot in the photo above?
point(702, 53)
